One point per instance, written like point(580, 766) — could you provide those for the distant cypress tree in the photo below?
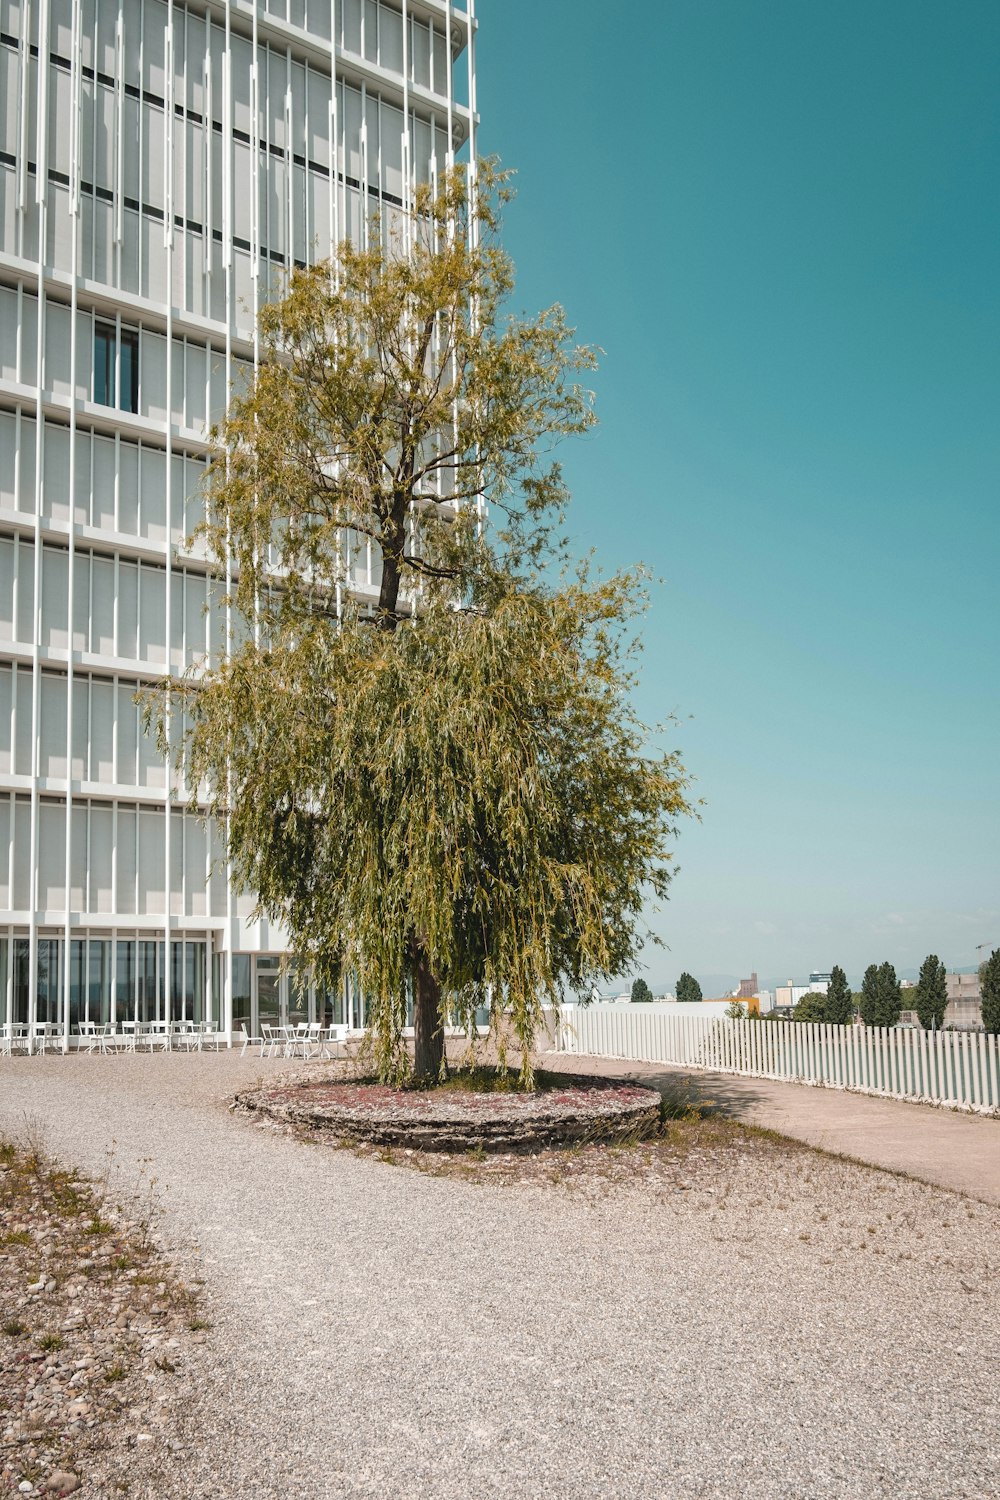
point(881, 997)
point(931, 993)
point(688, 987)
point(641, 993)
point(868, 999)
point(989, 978)
point(839, 1000)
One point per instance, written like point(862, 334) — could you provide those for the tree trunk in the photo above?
point(428, 1030)
point(393, 540)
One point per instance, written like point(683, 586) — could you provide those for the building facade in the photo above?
point(162, 166)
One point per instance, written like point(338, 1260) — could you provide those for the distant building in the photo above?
point(787, 996)
point(965, 1000)
point(748, 987)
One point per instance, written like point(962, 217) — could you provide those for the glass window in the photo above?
point(77, 1011)
point(125, 982)
point(22, 958)
point(150, 981)
point(99, 981)
point(176, 994)
point(49, 980)
point(330, 1006)
point(241, 989)
point(129, 385)
point(116, 367)
point(104, 364)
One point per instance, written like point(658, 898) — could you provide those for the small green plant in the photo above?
point(51, 1341)
point(98, 1225)
point(13, 1328)
point(197, 1325)
point(166, 1366)
point(16, 1237)
point(114, 1373)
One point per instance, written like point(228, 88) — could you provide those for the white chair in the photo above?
point(126, 1036)
point(153, 1034)
point(333, 1036)
point(250, 1041)
point(44, 1032)
point(272, 1038)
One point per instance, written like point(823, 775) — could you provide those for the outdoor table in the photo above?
point(153, 1033)
point(185, 1034)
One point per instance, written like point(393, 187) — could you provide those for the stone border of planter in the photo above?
point(565, 1111)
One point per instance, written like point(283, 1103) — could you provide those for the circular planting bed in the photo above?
point(563, 1110)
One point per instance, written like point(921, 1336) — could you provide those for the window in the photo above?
point(116, 367)
point(129, 373)
point(105, 338)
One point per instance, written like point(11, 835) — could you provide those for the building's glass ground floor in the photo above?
point(130, 978)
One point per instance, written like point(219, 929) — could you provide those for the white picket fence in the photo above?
point(956, 1068)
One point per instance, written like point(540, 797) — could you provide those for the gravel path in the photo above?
point(775, 1326)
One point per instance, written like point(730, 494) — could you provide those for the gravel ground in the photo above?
point(755, 1321)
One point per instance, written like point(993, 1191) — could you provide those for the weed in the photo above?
point(51, 1341)
point(13, 1328)
point(197, 1325)
point(16, 1237)
point(166, 1366)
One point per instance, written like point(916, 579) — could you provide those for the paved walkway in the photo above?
point(940, 1146)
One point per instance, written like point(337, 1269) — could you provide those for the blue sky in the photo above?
point(780, 221)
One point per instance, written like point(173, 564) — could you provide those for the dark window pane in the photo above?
point(125, 982)
point(22, 956)
point(49, 980)
point(129, 351)
point(104, 365)
point(241, 989)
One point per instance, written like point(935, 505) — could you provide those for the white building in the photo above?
point(160, 168)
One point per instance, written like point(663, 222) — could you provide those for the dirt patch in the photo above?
point(95, 1332)
point(564, 1110)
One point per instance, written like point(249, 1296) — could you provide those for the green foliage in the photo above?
point(688, 988)
point(931, 994)
point(445, 791)
point(736, 1011)
point(839, 1000)
point(989, 978)
point(881, 999)
point(811, 1007)
point(641, 993)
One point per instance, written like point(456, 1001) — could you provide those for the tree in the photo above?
point(881, 998)
point(688, 988)
point(931, 993)
point(989, 981)
point(839, 1000)
point(810, 1007)
point(736, 1010)
point(641, 993)
point(439, 788)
